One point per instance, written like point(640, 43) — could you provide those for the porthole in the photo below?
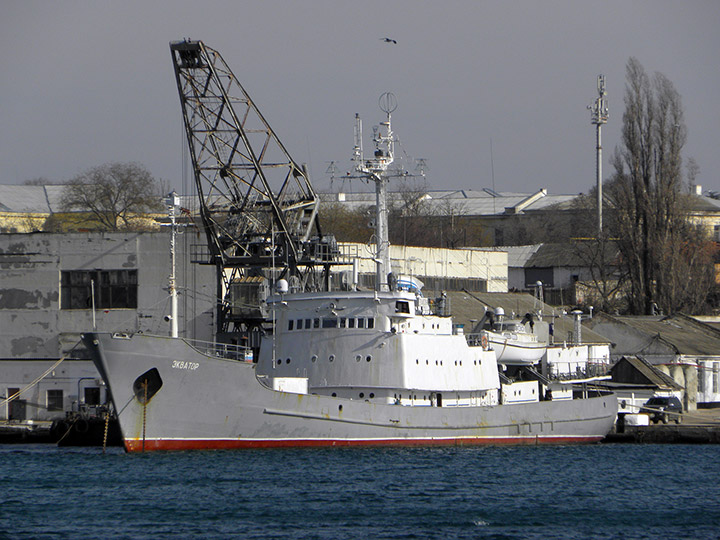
point(314, 358)
point(362, 394)
point(372, 395)
point(358, 358)
point(279, 361)
point(340, 408)
point(334, 394)
point(368, 358)
point(287, 361)
point(331, 358)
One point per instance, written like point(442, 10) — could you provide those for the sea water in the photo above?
point(566, 492)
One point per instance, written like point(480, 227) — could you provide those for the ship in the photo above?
point(341, 369)
point(380, 366)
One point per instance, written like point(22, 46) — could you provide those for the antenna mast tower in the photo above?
point(375, 170)
point(599, 116)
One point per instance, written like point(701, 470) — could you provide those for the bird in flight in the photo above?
point(389, 40)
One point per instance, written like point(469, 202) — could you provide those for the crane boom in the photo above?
point(252, 193)
point(258, 207)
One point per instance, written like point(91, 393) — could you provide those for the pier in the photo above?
point(696, 427)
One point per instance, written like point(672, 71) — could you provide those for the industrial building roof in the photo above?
point(518, 256)
point(30, 199)
point(684, 334)
point(463, 202)
point(635, 370)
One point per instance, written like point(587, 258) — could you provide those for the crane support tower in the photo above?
point(258, 207)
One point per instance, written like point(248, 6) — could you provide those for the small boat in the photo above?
point(510, 340)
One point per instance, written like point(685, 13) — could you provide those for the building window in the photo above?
point(92, 395)
point(54, 400)
point(114, 289)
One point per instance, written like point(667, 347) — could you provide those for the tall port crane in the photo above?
point(258, 207)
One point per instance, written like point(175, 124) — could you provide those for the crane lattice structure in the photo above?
point(258, 207)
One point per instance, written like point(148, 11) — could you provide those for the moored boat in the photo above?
point(342, 368)
point(510, 340)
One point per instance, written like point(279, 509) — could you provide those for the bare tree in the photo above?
point(649, 206)
point(345, 224)
point(113, 194)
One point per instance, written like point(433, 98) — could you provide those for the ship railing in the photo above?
point(565, 371)
point(222, 350)
point(474, 340)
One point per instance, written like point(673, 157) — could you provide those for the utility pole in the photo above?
point(599, 116)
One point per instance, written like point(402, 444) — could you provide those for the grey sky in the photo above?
point(85, 83)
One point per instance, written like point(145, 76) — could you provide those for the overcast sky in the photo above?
point(86, 83)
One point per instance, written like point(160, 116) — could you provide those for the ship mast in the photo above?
point(375, 170)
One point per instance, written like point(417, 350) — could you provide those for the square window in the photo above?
point(54, 400)
point(92, 395)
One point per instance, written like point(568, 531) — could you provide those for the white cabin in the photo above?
point(387, 347)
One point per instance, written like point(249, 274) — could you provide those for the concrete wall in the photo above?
point(32, 325)
point(72, 377)
point(35, 332)
point(470, 263)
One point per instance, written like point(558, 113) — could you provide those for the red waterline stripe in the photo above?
point(136, 445)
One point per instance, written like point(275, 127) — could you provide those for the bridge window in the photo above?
point(329, 323)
